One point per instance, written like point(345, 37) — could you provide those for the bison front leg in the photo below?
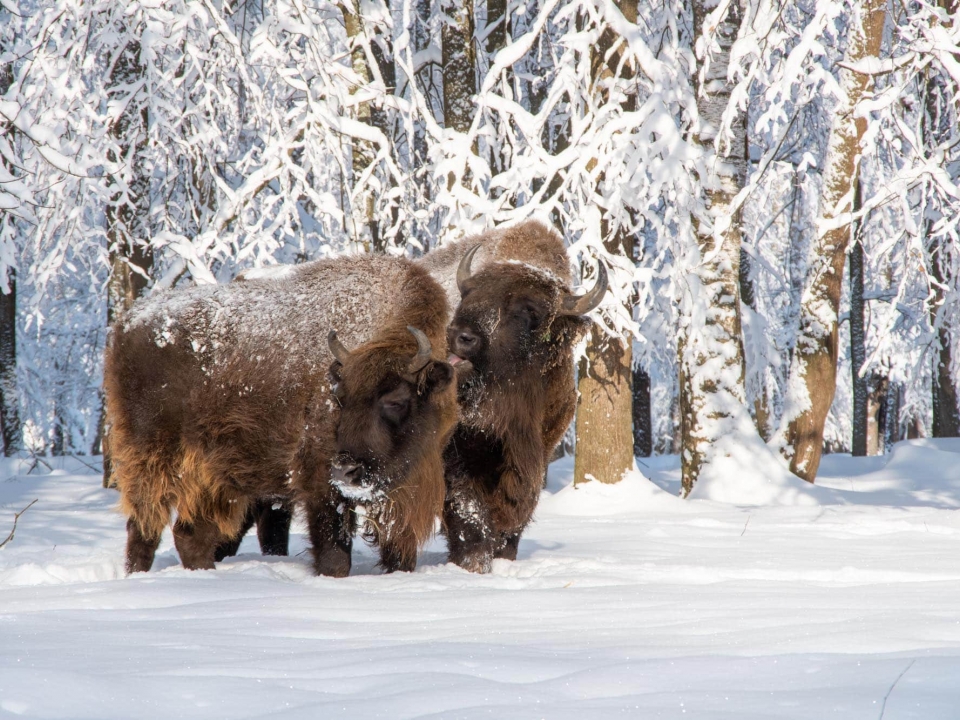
point(330, 523)
point(471, 539)
point(399, 552)
point(229, 548)
point(197, 543)
point(141, 549)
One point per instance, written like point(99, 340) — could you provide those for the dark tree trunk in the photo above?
point(857, 351)
point(946, 419)
point(892, 431)
point(459, 64)
point(9, 398)
point(642, 417)
point(876, 414)
point(940, 117)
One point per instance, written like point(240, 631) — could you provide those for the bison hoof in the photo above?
point(479, 563)
point(333, 563)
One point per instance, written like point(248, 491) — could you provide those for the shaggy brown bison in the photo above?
point(220, 397)
point(511, 338)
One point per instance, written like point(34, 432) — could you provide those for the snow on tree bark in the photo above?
point(857, 351)
point(459, 64)
point(813, 372)
point(368, 27)
point(9, 396)
point(604, 422)
point(712, 393)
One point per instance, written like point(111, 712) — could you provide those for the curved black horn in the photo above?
point(424, 350)
point(581, 305)
point(336, 347)
point(463, 270)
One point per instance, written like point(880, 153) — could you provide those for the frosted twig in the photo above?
point(15, 518)
point(883, 707)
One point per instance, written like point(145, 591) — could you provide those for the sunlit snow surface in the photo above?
point(624, 602)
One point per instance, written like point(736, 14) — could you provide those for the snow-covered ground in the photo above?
point(625, 602)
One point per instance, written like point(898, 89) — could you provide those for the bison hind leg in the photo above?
point(273, 527)
point(141, 548)
point(509, 544)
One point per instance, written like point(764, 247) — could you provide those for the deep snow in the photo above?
point(625, 602)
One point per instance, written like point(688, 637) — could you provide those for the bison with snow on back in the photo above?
point(222, 397)
point(511, 340)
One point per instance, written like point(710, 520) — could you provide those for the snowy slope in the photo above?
point(625, 602)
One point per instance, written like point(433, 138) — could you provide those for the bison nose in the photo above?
point(466, 342)
point(346, 473)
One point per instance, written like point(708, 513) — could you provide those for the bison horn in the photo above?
point(463, 270)
point(337, 348)
point(424, 351)
point(581, 305)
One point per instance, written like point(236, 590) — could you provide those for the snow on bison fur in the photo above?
point(220, 397)
point(512, 340)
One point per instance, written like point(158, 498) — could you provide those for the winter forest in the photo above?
point(773, 186)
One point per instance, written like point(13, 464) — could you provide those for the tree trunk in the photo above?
point(712, 390)
point(605, 403)
point(876, 414)
point(362, 35)
point(127, 215)
point(857, 349)
point(459, 60)
point(642, 417)
point(892, 430)
point(940, 117)
point(604, 411)
point(813, 370)
point(9, 397)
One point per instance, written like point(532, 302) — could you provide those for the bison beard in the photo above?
point(511, 341)
point(220, 406)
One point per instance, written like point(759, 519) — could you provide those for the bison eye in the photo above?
point(395, 411)
point(529, 316)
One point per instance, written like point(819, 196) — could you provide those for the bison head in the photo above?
point(512, 315)
point(396, 406)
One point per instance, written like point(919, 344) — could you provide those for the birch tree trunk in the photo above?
point(604, 424)
point(813, 371)
point(712, 392)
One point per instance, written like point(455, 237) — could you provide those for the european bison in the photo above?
point(511, 339)
point(222, 396)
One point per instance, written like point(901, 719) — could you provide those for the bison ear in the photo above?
point(436, 376)
point(335, 367)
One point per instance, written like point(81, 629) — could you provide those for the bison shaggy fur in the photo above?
point(512, 340)
point(224, 399)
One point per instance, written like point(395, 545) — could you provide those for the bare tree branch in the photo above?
point(15, 518)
